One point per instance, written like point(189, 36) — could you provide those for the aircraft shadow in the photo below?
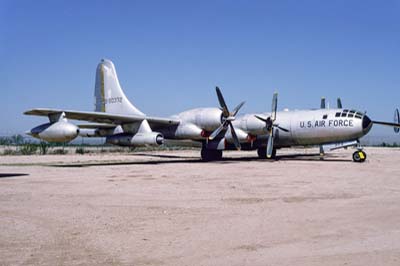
point(176, 159)
point(6, 175)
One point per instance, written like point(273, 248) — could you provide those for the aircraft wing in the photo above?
point(104, 118)
point(96, 126)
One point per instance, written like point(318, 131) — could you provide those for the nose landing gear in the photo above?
point(359, 156)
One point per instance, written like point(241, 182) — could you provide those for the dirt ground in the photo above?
point(168, 208)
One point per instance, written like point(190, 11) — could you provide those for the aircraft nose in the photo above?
point(366, 123)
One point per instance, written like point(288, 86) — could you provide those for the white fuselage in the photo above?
point(305, 127)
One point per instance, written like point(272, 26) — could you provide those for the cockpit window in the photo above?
point(350, 115)
point(344, 114)
point(337, 114)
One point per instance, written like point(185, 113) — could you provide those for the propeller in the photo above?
point(323, 103)
point(227, 118)
point(339, 103)
point(270, 125)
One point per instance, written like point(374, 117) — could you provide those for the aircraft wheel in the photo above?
point(210, 155)
point(359, 156)
point(262, 153)
point(218, 154)
point(273, 154)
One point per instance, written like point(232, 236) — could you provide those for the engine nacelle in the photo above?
point(61, 131)
point(205, 118)
point(189, 131)
point(139, 139)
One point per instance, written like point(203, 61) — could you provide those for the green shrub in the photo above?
point(44, 147)
point(9, 152)
point(28, 149)
point(80, 150)
point(60, 151)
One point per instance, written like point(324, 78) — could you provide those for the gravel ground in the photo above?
point(169, 208)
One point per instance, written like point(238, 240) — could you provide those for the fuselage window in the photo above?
point(325, 117)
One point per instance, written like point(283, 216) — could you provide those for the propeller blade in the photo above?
point(274, 106)
point(217, 131)
point(222, 103)
point(396, 120)
point(323, 104)
point(235, 138)
point(270, 144)
point(396, 125)
point(283, 129)
point(339, 103)
point(237, 108)
point(261, 118)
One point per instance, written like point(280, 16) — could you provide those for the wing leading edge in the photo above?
point(105, 118)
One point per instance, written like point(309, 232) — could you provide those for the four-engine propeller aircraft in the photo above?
point(218, 129)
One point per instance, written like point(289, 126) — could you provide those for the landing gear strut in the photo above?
point(262, 153)
point(210, 155)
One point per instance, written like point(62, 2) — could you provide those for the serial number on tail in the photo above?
point(112, 100)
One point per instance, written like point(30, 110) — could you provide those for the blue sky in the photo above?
point(170, 55)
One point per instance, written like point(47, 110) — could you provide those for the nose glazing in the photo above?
point(366, 123)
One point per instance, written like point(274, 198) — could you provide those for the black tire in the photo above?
point(262, 153)
point(356, 157)
point(210, 155)
point(218, 155)
point(273, 154)
point(359, 156)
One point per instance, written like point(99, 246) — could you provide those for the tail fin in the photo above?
point(109, 97)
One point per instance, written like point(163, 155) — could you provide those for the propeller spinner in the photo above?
point(227, 118)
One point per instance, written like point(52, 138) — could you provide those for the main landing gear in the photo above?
point(210, 155)
point(359, 156)
point(262, 153)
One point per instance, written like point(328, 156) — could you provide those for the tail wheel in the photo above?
point(359, 156)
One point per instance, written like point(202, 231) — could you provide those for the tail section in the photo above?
point(109, 97)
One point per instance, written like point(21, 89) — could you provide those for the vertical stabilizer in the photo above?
point(109, 96)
